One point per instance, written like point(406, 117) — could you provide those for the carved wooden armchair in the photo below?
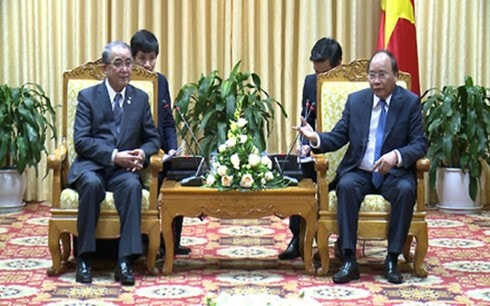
point(333, 87)
point(63, 220)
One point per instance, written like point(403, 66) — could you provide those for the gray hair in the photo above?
point(107, 52)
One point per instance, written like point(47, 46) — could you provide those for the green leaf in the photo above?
point(214, 101)
point(457, 125)
point(26, 118)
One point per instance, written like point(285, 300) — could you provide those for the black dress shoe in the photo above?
point(178, 250)
point(391, 272)
point(124, 274)
point(292, 251)
point(348, 271)
point(83, 275)
point(182, 250)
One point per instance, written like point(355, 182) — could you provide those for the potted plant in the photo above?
point(457, 125)
point(26, 117)
point(210, 104)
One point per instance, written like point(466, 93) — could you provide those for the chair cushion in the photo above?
point(69, 200)
point(371, 203)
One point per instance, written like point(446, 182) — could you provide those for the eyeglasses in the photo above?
point(119, 63)
point(382, 75)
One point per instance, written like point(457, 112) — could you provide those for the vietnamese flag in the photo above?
point(397, 34)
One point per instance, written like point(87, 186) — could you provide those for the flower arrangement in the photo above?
point(238, 164)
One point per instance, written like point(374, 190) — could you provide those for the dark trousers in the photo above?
point(126, 188)
point(351, 189)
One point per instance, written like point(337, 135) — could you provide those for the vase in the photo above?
point(12, 188)
point(453, 193)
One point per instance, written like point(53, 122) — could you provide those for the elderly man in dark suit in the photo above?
point(114, 136)
point(383, 126)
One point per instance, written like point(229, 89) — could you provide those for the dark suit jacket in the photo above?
point(403, 131)
point(309, 95)
point(166, 122)
point(95, 136)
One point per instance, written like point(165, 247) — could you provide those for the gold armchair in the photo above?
point(63, 219)
point(333, 87)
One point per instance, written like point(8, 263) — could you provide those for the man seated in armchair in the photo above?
point(114, 136)
point(383, 126)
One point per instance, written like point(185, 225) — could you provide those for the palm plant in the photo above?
point(26, 116)
point(210, 104)
point(457, 124)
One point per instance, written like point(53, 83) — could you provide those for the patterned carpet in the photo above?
point(238, 258)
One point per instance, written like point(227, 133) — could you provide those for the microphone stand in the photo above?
point(294, 181)
point(196, 179)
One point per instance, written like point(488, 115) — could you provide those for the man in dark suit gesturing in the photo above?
point(114, 135)
point(378, 160)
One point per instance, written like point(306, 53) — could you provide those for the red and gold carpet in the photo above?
point(240, 258)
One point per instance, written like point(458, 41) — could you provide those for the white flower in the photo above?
point(269, 176)
point(266, 161)
point(247, 180)
point(226, 180)
point(222, 148)
point(230, 142)
point(235, 161)
point(253, 160)
point(222, 170)
point(243, 138)
point(210, 179)
point(241, 122)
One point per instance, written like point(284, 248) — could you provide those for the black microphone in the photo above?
point(188, 127)
point(196, 179)
point(292, 181)
point(166, 105)
point(308, 111)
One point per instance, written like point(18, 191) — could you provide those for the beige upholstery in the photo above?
point(63, 220)
point(333, 87)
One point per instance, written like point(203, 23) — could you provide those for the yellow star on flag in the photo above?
point(395, 9)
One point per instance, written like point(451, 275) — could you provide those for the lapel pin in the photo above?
point(129, 100)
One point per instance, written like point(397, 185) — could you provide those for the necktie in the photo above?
point(378, 178)
point(117, 111)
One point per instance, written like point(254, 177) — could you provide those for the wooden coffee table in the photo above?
point(176, 200)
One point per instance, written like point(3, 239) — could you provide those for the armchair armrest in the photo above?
point(155, 166)
point(56, 162)
point(321, 167)
point(422, 167)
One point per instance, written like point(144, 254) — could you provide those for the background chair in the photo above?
point(63, 220)
point(333, 87)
